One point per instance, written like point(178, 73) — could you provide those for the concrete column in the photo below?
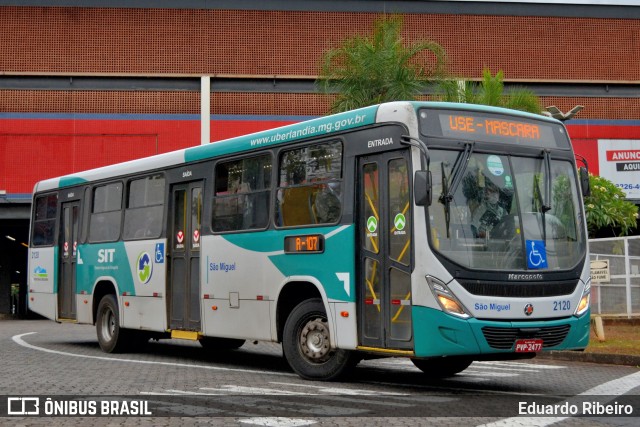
point(205, 110)
point(5, 289)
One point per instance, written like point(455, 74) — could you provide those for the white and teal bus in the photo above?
point(362, 234)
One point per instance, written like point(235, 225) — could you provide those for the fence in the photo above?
point(620, 295)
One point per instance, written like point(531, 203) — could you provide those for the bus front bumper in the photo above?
point(437, 333)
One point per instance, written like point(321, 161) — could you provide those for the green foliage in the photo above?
point(607, 208)
point(490, 91)
point(379, 68)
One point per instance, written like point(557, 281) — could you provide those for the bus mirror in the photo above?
point(422, 188)
point(584, 181)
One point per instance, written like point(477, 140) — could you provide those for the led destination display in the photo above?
point(487, 127)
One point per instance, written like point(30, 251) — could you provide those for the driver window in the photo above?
point(488, 190)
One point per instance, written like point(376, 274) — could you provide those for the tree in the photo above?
point(490, 91)
point(607, 210)
point(379, 68)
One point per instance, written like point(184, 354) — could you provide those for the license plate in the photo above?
point(528, 346)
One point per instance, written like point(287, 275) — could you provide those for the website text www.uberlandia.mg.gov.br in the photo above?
point(310, 129)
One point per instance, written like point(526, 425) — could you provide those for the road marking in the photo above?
point(612, 389)
point(18, 340)
point(522, 365)
point(343, 391)
point(277, 421)
point(235, 389)
point(484, 374)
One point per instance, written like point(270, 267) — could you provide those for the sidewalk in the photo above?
point(581, 356)
point(609, 359)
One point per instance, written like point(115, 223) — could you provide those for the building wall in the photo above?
point(53, 128)
point(94, 40)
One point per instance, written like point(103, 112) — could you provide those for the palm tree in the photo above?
point(490, 91)
point(379, 68)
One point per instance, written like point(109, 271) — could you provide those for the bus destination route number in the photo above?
point(308, 243)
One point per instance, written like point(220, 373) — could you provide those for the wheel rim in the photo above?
point(314, 340)
point(108, 324)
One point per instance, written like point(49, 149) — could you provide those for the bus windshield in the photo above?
point(500, 215)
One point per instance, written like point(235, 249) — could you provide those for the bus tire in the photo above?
point(442, 367)
point(306, 344)
point(111, 337)
point(212, 343)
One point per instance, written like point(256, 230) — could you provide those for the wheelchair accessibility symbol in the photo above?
point(536, 254)
point(159, 253)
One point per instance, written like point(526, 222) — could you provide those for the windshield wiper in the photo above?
point(457, 172)
point(546, 204)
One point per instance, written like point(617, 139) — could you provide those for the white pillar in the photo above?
point(205, 110)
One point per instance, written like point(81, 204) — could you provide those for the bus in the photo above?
point(444, 233)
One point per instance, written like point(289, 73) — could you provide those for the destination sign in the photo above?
point(490, 127)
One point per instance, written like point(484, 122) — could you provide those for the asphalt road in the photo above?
point(61, 369)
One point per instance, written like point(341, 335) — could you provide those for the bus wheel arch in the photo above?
point(102, 288)
point(111, 336)
point(290, 295)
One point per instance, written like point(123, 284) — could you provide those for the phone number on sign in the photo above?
point(629, 186)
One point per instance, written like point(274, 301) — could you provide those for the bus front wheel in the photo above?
point(306, 344)
point(111, 337)
point(443, 367)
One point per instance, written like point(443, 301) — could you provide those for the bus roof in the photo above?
point(315, 127)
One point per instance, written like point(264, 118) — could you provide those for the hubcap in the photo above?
point(314, 340)
point(108, 324)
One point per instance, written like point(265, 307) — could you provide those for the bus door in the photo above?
point(185, 229)
point(385, 261)
point(68, 250)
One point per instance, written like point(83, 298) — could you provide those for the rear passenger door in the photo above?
point(185, 227)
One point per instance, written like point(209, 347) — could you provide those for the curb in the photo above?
point(580, 356)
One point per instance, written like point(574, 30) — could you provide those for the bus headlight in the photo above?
point(585, 300)
point(448, 302)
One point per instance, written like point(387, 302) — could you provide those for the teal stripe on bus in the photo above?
point(70, 181)
point(115, 269)
point(338, 256)
point(317, 127)
point(271, 240)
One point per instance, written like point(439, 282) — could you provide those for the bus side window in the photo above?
point(310, 187)
point(145, 206)
point(106, 213)
point(242, 194)
point(46, 211)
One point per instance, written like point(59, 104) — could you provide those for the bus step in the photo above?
point(386, 351)
point(186, 335)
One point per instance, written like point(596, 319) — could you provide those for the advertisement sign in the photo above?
point(619, 161)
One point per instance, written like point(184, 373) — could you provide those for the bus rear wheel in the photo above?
point(442, 367)
point(307, 347)
point(111, 337)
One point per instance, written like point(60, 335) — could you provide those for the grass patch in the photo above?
point(621, 337)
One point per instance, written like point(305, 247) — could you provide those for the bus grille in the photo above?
point(504, 338)
point(519, 290)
